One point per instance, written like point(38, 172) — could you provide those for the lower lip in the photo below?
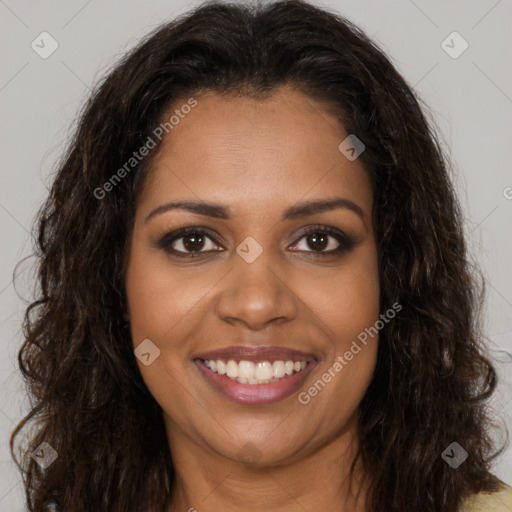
point(256, 394)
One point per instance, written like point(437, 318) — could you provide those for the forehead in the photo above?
point(261, 153)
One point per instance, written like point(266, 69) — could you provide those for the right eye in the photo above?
point(189, 242)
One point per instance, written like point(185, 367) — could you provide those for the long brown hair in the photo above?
point(89, 402)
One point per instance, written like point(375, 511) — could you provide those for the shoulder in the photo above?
point(499, 501)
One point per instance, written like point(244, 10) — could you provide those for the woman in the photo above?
point(255, 293)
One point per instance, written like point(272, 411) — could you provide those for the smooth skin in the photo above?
point(257, 158)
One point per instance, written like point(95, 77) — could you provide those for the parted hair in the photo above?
point(433, 376)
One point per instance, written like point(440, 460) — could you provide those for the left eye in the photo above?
point(192, 242)
point(318, 241)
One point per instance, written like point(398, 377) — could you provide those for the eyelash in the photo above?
point(346, 243)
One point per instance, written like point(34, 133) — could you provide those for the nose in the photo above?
point(256, 295)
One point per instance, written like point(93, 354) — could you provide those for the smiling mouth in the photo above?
point(251, 373)
point(255, 375)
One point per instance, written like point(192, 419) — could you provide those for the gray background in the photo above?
point(470, 98)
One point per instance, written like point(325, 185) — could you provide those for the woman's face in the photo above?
point(249, 284)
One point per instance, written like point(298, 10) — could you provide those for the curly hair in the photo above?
point(433, 376)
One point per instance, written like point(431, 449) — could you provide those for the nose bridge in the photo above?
point(254, 292)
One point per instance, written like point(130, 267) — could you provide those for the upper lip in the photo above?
point(260, 353)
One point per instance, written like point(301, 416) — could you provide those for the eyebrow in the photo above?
point(297, 211)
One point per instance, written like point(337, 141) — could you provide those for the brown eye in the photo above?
point(189, 242)
point(317, 241)
point(193, 242)
point(323, 241)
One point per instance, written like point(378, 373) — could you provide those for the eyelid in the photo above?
point(176, 234)
point(345, 241)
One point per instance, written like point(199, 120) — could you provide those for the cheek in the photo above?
point(168, 305)
point(346, 299)
point(159, 297)
point(347, 306)
point(158, 301)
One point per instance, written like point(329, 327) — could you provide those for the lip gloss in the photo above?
point(255, 394)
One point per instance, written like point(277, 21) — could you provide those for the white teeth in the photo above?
point(221, 367)
point(264, 370)
point(278, 368)
point(248, 372)
point(232, 369)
